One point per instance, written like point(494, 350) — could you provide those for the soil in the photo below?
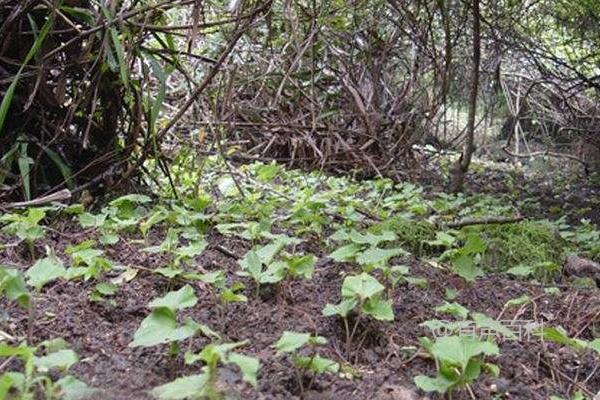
point(384, 361)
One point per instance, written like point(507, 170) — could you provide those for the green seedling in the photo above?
point(363, 294)
point(158, 215)
point(364, 248)
point(161, 325)
point(44, 271)
point(459, 360)
point(225, 295)
point(454, 309)
point(559, 336)
point(465, 259)
point(103, 293)
point(87, 262)
point(126, 212)
point(251, 230)
point(292, 343)
point(168, 245)
point(260, 264)
point(12, 285)
point(35, 377)
point(26, 226)
point(205, 385)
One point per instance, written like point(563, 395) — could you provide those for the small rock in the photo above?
point(581, 267)
point(500, 385)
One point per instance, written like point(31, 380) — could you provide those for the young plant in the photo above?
point(364, 248)
point(12, 285)
point(35, 376)
point(260, 264)
point(251, 230)
point(87, 262)
point(559, 336)
point(205, 385)
point(225, 295)
point(465, 259)
point(161, 325)
point(459, 360)
point(39, 274)
point(126, 212)
point(25, 226)
point(363, 294)
point(103, 292)
point(292, 342)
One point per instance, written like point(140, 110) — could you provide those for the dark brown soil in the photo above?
point(384, 363)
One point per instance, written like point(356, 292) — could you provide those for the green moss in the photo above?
point(528, 243)
point(411, 233)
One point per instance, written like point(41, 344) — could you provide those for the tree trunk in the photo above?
point(462, 165)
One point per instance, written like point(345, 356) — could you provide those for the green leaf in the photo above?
point(274, 273)
point(13, 286)
point(595, 345)
point(559, 336)
point(376, 256)
point(453, 309)
point(417, 281)
point(192, 250)
point(181, 388)
point(62, 359)
point(552, 291)
point(177, 300)
point(266, 173)
point(484, 322)
point(248, 366)
point(464, 266)
point(442, 239)
point(267, 253)
point(458, 350)
point(108, 239)
point(379, 309)
point(342, 309)
point(62, 166)
point(106, 288)
point(519, 301)
point(74, 389)
point(37, 44)
point(345, 253)
point(74, 209)
point(161, 327)
point(439, 384)
point(159, 72)
point(44, 271)
point(492, 369)
point(521, 271)
point(123, 69)
point(291, 341)
point(6, 382)
point(127, 201)
point(361, 286)
point(302, 266)
point(252, 264)
point(317, 364)
point(87, 220)
point(370, 238)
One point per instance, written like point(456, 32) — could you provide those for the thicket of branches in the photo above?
point(91, 89)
